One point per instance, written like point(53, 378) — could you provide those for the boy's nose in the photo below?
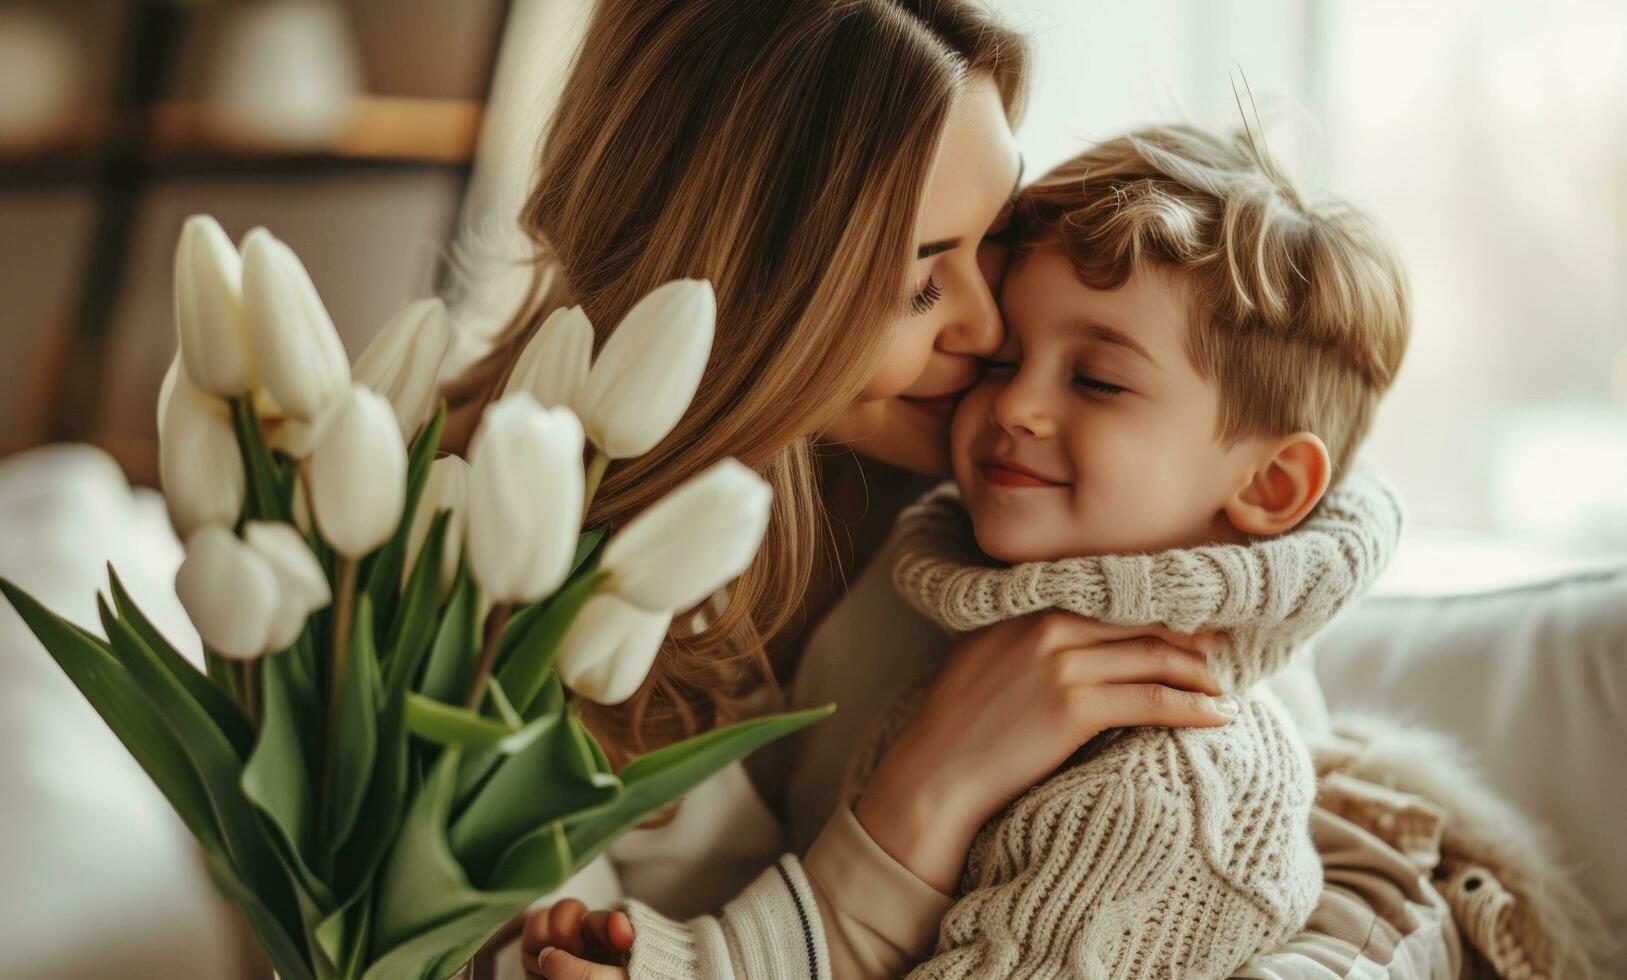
point(1018, 411)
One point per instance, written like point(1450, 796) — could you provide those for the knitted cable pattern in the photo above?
point(1269, 596)
point(1164, 852)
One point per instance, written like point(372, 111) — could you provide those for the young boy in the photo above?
point(1193, 355)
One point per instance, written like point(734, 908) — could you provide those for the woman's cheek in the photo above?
point(903, 361)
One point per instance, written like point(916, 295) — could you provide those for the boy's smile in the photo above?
point(1090, 431)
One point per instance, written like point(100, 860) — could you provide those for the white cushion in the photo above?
point(101, 878)
point(1532, 679)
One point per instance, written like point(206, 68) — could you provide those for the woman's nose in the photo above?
point(1020, 409)
point(974, 328)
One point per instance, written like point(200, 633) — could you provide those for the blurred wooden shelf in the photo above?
point(380, 129)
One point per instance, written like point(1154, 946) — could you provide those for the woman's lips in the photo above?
point(1004, 473)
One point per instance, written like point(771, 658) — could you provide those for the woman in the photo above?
point(839, 170)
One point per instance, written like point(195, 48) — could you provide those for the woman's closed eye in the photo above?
point(926, 297)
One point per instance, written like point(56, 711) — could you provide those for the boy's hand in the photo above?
point(567, 942)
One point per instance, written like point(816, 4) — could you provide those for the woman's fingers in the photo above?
point(556, 964)
point(1055, 630)
point(1136, 705)
point(608, 932)
point(1139, 661)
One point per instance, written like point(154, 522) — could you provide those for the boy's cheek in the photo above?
point(966, 426)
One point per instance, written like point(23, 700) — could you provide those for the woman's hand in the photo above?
point(567, 942)
point(1015, 700)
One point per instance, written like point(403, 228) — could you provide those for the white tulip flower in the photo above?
point(209, 310)
point(691, 542)
point(607, 652)
point(445, 488)
point(404, 361)
point(199, 465)
point(358, 474)
point(525, 499)
point(229, 591)
point(554, 365)
point(301, 360)
point(646, 375)
point(302, 588)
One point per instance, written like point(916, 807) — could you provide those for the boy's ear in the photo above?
point(1291, 477)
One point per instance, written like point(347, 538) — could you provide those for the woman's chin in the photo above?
point(897, 433)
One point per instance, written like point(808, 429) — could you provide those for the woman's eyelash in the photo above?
point(927, 298)
point(1100, 387)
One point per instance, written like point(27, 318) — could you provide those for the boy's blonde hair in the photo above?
point(1300, 311)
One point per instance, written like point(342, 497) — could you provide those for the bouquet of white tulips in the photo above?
point(380, 760)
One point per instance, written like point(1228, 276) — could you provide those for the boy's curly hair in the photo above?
point(1299, 310)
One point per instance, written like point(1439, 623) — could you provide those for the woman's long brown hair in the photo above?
point(777, 148)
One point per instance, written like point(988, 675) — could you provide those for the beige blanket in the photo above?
point(1427, 874)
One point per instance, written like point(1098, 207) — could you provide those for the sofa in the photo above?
point(1520, 656)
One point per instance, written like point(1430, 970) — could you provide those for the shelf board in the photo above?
point(381, 128)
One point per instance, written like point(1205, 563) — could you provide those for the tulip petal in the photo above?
point(199, 465)
point(209, 319)
point(301, 360)
point(525, 499)
point(650, 368)
point(229, 591)
point(554, 365)
point(404, 361)
point(445, 488)
point(610, 648)
point(358, 473)
point(692, 542)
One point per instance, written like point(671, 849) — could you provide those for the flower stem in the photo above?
point(596, 467)
point(341, 644)
point(251, 691)
point(495, 621)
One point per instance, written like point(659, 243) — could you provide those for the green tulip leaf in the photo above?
point(227, 716)
point(532, 661)
point(478, 763)
point(652, 781)
point(538, 862)
point(586, 544)
point(413, 629)
point(355, 745)
point(381, 811)
point(109, 687)
point(554, 776)
point(277, 778)
point(447, 724)
point(421, 884)
point(265, 482)
point(219, 768)
point(425, 955)
point(287, 955)
point(505, 707)
point(452, 655)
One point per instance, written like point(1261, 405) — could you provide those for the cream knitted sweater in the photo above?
point(1160, 852)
